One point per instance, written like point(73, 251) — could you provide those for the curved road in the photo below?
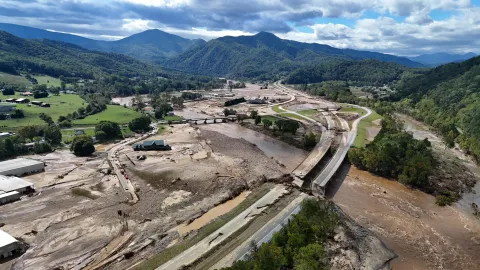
point(265, 233)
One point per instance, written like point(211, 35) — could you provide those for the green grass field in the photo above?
point(291, 115)
point(270, 117)
point(361, 139)
point(277, 109)
point(14, 80)
point(353, 110)
point(308, 112)
point(49, 81)
point(113, 113)
point(60, 105)
point(69, 134)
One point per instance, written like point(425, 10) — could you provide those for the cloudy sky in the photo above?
point(403, 27)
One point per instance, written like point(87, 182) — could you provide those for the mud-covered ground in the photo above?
point(73, 218)
point(63, 228)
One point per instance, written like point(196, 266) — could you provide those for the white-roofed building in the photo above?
point(20, 166)
point(12, 183)
point(7, 197)
point(9, 246)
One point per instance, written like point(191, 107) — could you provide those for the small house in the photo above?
point(45, 105)
point(10, 100)
point(27, 94)
point(6, 134)
point(22, 100)
point(37, 102)
point(79, 132)
point(159, 145)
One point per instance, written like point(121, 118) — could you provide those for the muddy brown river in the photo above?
point(284, 153)
point(423, 234)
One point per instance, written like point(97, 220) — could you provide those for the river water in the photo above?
point(284, 153)
point(423, 234)
point(213, 213)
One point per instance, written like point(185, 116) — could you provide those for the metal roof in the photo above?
point(8, 194)
point(156, 142)
point(8, 183)
point(6, 239)
point(17, 163)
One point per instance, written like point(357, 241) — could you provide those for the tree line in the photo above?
point(395, 154)
point(300, 244)
point(448, 99)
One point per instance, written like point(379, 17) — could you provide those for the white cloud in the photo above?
point(207, 19)
point(384, 34)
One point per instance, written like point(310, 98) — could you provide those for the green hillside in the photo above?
point(151, 45)
point(367, 71)
point(56, 58)
point(447, 98)
point(265, 55)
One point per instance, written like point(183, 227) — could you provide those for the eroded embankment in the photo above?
point(424, 235)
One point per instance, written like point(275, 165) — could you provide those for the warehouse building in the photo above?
point(9, 246)
point(20, 166)
point(152, 145)
point(9, 184)
point(8, 197)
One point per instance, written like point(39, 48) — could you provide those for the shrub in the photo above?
point(446, 198)
point(108, 130)
point(140, 124)
point(82, 146)
point(83, 193)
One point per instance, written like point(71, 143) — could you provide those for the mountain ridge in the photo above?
point(57, 58)
point(263, 55)
point(436, 59)
point(151, 45)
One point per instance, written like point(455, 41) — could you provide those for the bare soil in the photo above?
point(71, 230)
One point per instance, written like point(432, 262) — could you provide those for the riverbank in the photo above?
point(424, 235)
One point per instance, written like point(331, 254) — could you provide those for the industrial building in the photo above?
point(9, 197)
point(20, 166)
point(152, 145)
point(9, 246)
point(11, 183)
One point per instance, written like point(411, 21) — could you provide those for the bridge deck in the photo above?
point(324, 177)
point(316, 155)
point(330, 121)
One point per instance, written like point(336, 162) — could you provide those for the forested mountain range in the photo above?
point(447, 98)
point(57, 58)
point(260, 56)
point(265, 54)
point(360, 72)
point(436, 59)
point(150, 46)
